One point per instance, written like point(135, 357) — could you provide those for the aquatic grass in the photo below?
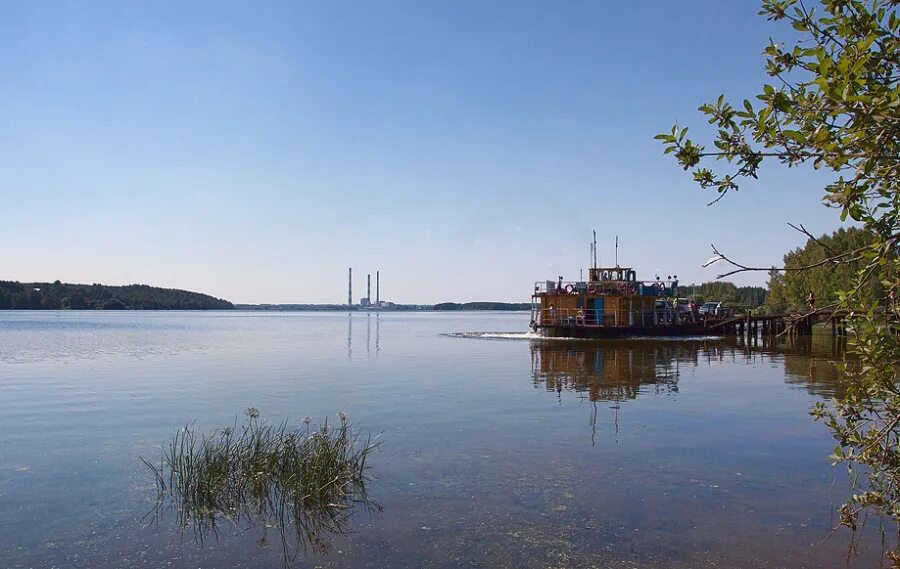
point(304, 482)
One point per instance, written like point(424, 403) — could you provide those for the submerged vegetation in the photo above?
point(303, 483)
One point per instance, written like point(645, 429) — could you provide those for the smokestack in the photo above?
point(350, 286)
point(369, 288)
point(377, 286)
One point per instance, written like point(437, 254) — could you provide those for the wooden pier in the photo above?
point(754, 325)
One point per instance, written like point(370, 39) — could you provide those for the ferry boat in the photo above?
point(611, 303)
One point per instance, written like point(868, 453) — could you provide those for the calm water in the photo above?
point(498, 450)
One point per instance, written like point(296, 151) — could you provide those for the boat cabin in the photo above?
point(612, 297)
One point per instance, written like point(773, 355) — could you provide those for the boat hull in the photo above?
point(597, 332)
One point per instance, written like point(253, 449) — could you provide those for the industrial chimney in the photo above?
point(350, 286)
point(369, 288)
point(377, 287)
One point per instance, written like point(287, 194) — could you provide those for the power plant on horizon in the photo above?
point(366, 301)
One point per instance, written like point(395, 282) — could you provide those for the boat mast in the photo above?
point(617, 250)
point(591, 265)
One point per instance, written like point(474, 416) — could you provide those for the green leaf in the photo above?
point(794, 135)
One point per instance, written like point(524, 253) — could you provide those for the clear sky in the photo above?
point(255, 150)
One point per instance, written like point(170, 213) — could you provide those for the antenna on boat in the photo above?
point(617, 250)
point(594, 251)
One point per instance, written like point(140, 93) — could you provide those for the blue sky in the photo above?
point(254, 151)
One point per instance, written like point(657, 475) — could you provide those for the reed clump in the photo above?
point(302, 482)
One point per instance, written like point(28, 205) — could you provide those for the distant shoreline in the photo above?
point(245, 308)
point(67, 296)
point(440, 307)
point(57, 295)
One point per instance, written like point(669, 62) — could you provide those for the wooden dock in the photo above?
point(753, 325)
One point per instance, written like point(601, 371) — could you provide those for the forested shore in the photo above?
point(65, 296)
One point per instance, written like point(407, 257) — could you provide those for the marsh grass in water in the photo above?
point(302, 483)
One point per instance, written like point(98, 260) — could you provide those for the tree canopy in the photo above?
point(789, 289)
point(724, 291)
point(62, 296)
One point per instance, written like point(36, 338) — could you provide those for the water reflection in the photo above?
point(814, 363)
point(619, 370)
point(717, 462)
point(608, 371)
point(27, 338)
point(369, 326)
point(810, 362)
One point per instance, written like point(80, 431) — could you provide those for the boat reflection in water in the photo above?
point(611, 371)
point(619, 370)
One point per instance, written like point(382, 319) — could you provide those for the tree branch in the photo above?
point(806, 155)
point(834, 259)
point(803, 230)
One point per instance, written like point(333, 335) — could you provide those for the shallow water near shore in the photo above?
point(498, 449)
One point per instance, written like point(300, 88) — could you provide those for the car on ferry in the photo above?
point(713, 308)
point(683, 305)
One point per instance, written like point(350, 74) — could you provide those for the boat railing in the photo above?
point(643, 288)
point(606, 318)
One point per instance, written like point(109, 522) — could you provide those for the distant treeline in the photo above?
point(325, 307)
point(482, 306)
point(290, 307)
point(64, 296)
point(788, 290)
point(722, 291)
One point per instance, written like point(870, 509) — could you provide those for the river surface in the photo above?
point(498, 450)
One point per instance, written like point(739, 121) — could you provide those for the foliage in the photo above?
point(64, 296)
point(834, 104)
point(722, 291)
point(825, 280)
point(776, 299)
point(266, 476)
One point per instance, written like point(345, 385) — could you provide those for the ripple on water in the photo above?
point(514, 451)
